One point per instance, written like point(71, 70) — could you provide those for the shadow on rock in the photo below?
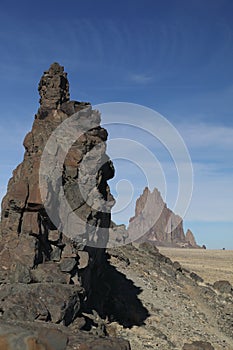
point(124, 305)
point(118, 299)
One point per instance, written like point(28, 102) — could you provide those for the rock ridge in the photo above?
point(155, 222)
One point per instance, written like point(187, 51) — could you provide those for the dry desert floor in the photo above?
point(211, 265)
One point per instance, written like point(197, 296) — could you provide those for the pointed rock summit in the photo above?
point(51, 269)
point(54, 87)
point(190, 239)
point(155, 222)
point(54, 94)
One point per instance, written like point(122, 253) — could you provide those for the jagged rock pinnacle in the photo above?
point(35, 245)
point(53, 88)
point(155, 222)
point(190, 238)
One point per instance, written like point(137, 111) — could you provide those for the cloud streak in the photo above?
point(211, 148)
point(140, 78)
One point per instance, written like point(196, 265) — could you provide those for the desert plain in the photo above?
point(211, 265)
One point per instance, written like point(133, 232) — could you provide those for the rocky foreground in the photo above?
point(180, 307)
point(154, 304)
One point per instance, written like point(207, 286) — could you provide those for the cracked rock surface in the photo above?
point(52, 267)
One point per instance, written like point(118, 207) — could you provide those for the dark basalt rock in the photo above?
point(45, 273)
point(198, 345)
point(53, 88)
point(223, 287)
point(59, 303)
point(196, 278)
point(42, 336)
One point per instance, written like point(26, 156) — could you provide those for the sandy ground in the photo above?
point(211, 265)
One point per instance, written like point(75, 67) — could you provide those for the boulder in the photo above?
point(198, 345)
point(223, 286)
point(41, 336)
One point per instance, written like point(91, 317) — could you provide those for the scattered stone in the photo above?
point(68, 264)
point(223, 287)
point(177, 266)
point(20, 274)
point(19, 338)
point(55, 254)
point(35, 336)
point(196, 278)
point(29, 302)
point(68, 252)
point(180, 310)
point(117, 235)
point(83, 259)
point(54, 236)
point(198, 345)
point(49, 273)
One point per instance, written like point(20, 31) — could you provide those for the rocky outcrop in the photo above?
point(53, 88)
point(223, 287)
point(190, 239)
point(118, 235)
point(154, 221)
point(198, 345)
point(41, 336)
point(56, 213)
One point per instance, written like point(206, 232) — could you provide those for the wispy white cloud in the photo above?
point(211, 148)
point(140, 78)
point(203, 135)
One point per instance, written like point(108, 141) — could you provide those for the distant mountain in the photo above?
point(154, 221)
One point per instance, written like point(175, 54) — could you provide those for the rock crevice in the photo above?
point(51, 269)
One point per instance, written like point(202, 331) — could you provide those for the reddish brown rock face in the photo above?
point(54, 88)
point(190, 239)
point(153, 221)
point(29, 237)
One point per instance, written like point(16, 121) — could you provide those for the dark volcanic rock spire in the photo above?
point(54, 87)
point(34, 250)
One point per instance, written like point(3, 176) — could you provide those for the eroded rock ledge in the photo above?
point(47, 274)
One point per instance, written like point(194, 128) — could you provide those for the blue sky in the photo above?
point(172, 56)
